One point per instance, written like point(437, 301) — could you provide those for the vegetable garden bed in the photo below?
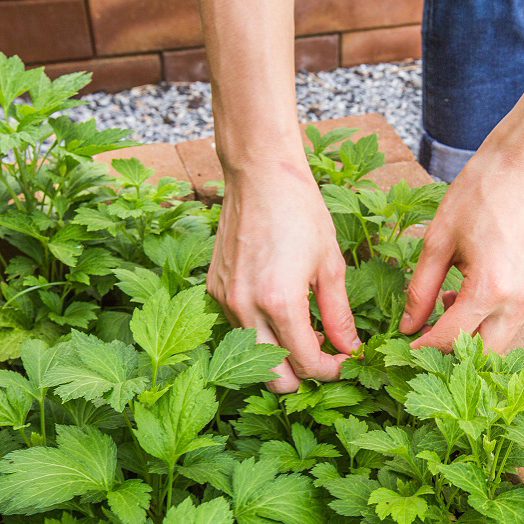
point(126, 397)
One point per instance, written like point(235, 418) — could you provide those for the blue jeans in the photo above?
point(473, 74)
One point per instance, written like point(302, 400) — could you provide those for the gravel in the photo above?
point(182, 111)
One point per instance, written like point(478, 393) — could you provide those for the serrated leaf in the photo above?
point(133, 171)
point(78, 314)
point(238, 360)
point(165, 327)
point(432, 360)
point(403, 510)
point(430, 398)
point(40, 477)
point(170, 427)
point(506, 507)
point(216, 511)
point(15, 404)
point(140, 284)
point(96, 370)
point(130, 500)
point(340, 200)
point(258, 494)
point(267, 404)
point(467, 477)
point(396, 352)
point(349, 430)
point(465, 385)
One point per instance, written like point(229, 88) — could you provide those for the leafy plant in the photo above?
point(151, 408)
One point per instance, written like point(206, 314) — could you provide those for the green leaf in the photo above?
point(140, 284)
point(432, 360)
point(211, 464)
point(95, 261)
point(465, 388)
point(97, 219)
point(15, 404)
point(340, 200)
point(183, 253)
point(352, 493)
point(238, 360)
point(22, 223)
point(515, 398)
point(302, 456)
point(394, 441)
point(349, 430)
point(258, 494)
point(267, 404)
point(78, 314)
point(430, 398)
point(165, 327)
point(397, 352)
point(38, 358)
point(170, 427)
point(263, 427)
point(403, 510)
point(14, 79)
point(467, 477)
point(133, 171)
point(67, 251)
point(114, 325)
point(216, 511)
point(96, 370)
point(506, 508)
point(37, 478)
point(515, 432)
point(388, 281)
point(130, 500)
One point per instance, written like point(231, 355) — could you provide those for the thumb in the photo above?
point(424, 287)
point(337, 319)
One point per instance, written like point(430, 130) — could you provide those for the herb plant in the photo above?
point(151, 409)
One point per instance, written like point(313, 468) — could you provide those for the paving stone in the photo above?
point(46, 31)
point(388, 141)
point(113, 74)
point(163, 158)
point(381, 45)
point(313, 16)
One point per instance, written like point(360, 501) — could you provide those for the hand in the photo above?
point(275, 241)
point(479, 228)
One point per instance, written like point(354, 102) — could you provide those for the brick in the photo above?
point(389, 142)
point(163, 158)
point(202, 164)
point(113, 74)
point(317, 53)
point(186, 65)
point(312, 16)
point(381, 45)
point(45, 31)
point(127, 26)
point(390, 174)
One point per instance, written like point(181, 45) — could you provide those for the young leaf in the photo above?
point(430, 398)
point(238, 360)
point(14, 406)
point(130, 500)
point(259, 494)
point(468, 477)
point(95, 370)
point(349, 430)
point(132, 170)
point(170, 427)
point(216, 511)
point(78, 314)
point(403, 510)
point(140, 284)
point(165, 327)
point(37, 478)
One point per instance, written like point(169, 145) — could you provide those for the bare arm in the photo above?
point(276, 240)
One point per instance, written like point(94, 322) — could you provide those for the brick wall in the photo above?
point(133, 42)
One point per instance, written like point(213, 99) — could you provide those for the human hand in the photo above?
point(479, 228)
point(275, 242)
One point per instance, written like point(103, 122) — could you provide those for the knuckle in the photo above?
point(276, 303)
point(304, 370)
point(413, 294)
point(433, 240)
point(236, 300)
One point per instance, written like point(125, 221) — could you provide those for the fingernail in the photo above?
point(356, 344)
point(405, 322)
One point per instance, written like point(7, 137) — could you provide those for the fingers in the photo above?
point(287, 381)
point(463, 315)
point(332, 301)
point(292, 327)
point(431, 269)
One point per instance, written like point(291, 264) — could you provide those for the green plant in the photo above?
point(157, 414)
point(69, 222)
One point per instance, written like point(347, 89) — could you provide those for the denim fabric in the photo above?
point(473, 74)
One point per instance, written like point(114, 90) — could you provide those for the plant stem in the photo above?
point(366, 233)
point(26, 440)
point(355, 258)
point(139, 450)
point(42, 417)
point(154, 367)
point(170, 480)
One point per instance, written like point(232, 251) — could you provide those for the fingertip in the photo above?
point(286, 382)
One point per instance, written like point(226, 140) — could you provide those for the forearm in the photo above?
point(250, 48)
